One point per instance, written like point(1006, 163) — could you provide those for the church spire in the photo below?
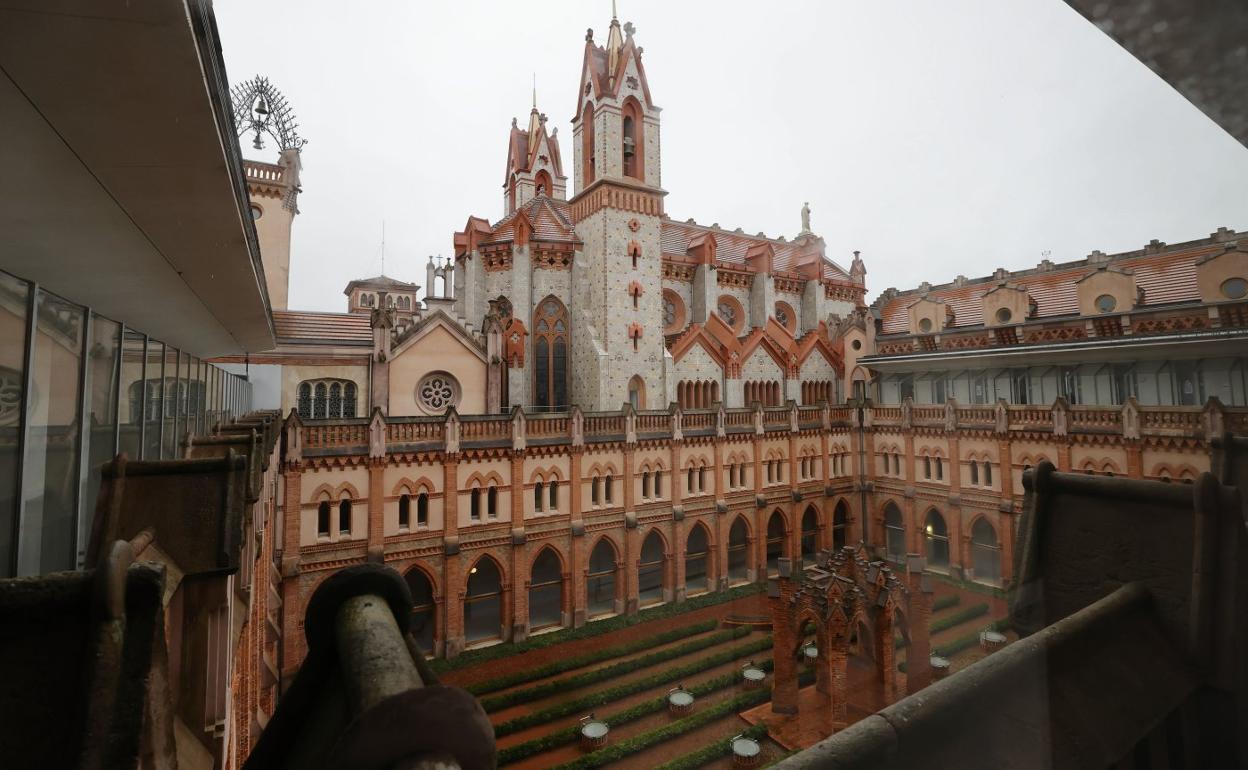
point(615, 42)
point(535, 117)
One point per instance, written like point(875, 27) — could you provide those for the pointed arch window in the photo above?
point(326, 399)
point(550, 353)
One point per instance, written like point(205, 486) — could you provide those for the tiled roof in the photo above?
point(550, 222)
point(336, 328)
point(380, 282)
point(1166, 279)
point(731, 247)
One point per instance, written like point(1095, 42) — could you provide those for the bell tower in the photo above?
point(534, 165)
point(617, 210)
point(262, 111)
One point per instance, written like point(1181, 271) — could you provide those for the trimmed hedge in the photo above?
point(585, 678)
point(601, 697)
point(625, 748)
point(719, 748)
point(971, 585)
point(948, 621)
point(644, 741)
point(958, 618)
point(646, 708)
point(595, 656)
point(596, 628)
point(951, 648)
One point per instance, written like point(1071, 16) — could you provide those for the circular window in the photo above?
point(784, 314)
point(1004, 315)
point(1235, 288)
point(1106, 303)
point(673, 312)
point(256, 213)
point(925, 325)
point(730, 312)
point(856, 344)
point(437, 392)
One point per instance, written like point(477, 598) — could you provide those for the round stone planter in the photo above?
point(593, 733)
point(679, 702)
point(940, 667)
point(991, 641)
point(746, 752)
point(753, 677)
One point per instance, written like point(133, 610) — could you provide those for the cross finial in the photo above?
point(629, 29)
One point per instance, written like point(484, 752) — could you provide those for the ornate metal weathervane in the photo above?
point(261, 108)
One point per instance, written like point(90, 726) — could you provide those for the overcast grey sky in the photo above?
point(939, 138)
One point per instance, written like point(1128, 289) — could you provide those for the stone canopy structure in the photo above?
point(851, 602)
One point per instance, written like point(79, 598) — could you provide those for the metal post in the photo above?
point(77, 548)
point(23, 430)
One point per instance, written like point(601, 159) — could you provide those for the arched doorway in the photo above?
point(894, 533)
point(697, 546)
point(776, 545)
point(840, 526)
point(937, 536)
point(650, 570)
point(546, 591)
point(424, 609)
point(600, 585)
point(810, 534)
point(550, 353)
point(985, 551)
point(483, 603)
point(637, 392)
point(738, 551)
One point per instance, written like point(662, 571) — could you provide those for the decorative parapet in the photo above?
point(380, 434)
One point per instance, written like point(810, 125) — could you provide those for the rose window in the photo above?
point(437, 392)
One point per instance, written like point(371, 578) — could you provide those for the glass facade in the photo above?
point(75, 390)
point(1152, 383)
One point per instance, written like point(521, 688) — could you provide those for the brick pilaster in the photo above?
point(838, 665)
point(376, 509)
point(1135, 460)
point(452, 583)
point(784, 634)
point(578, 564)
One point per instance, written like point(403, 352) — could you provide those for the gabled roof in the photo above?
point(379, 282)
point(1167, 278)
point(732, 247)
point(549, 218)
point(437, 320)
point(302, 326)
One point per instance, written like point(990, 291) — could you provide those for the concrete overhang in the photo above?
point(121, 184)
point(1213, 343)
